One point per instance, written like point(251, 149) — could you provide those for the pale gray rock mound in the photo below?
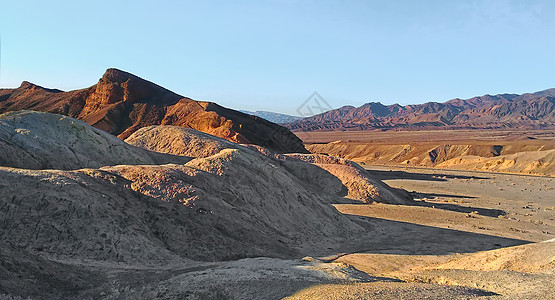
point(330, 175)
point(360, 185)
point(179, 141)
point(227, 206)
point(35, 140)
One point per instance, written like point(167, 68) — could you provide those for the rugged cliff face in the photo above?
point(121, 103)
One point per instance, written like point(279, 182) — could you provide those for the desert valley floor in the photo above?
point(460, 212)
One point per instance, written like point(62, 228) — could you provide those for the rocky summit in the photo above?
point(121, 103)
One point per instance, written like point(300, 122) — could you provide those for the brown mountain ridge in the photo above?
point(121, 103)
point(531, 110)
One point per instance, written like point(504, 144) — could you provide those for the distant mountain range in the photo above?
point(272, 116)
point(121, 103)
point(531, 110)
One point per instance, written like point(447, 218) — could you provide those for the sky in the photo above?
point(273, 55)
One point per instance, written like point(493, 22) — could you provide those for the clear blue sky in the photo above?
point(271, 55)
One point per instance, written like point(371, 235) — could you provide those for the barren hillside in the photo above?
point(33, 140)
point(121, 103)
point(228, 203)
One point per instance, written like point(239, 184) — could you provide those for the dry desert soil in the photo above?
point(443, 239)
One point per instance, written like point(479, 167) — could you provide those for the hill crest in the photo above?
point(121, 103)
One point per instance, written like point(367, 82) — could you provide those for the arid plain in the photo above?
point(458, 198)
point(458, 214)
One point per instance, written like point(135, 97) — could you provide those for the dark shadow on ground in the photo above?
point(344, 200)
point(396, 237)
point(434, 195)
point(488, 212)
point(388, 175)
point(385, 175)
point(52, 280)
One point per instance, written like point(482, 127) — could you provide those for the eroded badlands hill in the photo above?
point(228, 202)
point(526, 152)
point(33, 140)
point(330, 174)
point(465, 157)
point(120, 103)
